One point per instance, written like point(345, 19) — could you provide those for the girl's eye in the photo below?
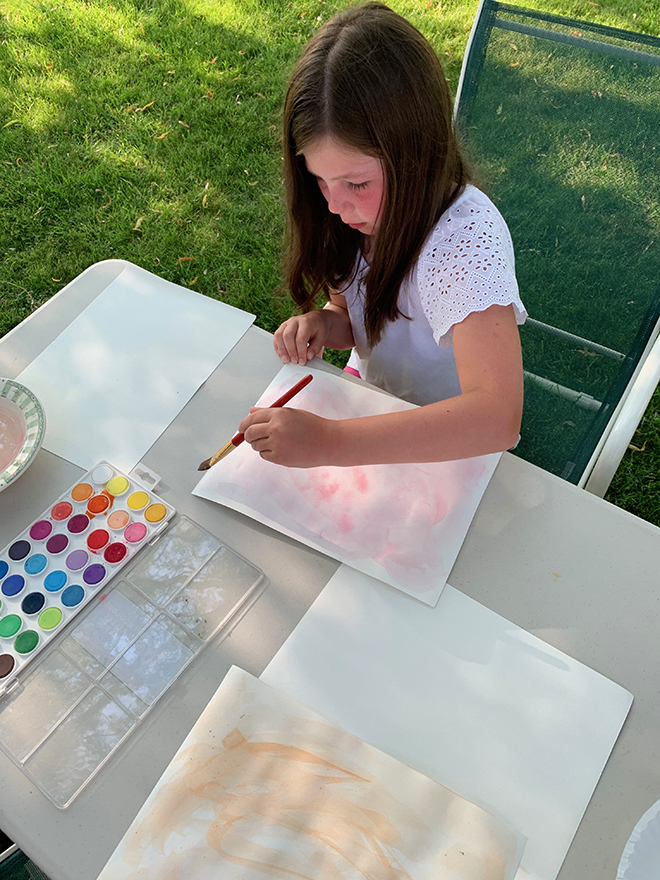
point(358, 185)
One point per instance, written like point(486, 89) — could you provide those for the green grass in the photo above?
point(149, 130)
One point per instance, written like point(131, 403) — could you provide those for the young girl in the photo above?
point(416, 263)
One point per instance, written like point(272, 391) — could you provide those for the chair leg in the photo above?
point(599, 478)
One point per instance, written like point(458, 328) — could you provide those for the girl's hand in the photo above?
point(292, 437)
point(301, 338)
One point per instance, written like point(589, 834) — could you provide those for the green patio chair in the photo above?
point(15, 865)
point(561, 120)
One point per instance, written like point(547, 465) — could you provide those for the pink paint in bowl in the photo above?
point(13, 431)
point(22, 430)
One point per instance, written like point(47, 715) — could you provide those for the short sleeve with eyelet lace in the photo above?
point(467, 265)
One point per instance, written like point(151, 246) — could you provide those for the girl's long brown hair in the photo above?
point(371, 81)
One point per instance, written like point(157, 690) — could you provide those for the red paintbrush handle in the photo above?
point(285, 398)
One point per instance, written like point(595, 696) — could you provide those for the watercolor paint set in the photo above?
point(56, 566)
point(94, 685)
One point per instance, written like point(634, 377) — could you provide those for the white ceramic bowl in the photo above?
point(22, 430)
point(641, 857)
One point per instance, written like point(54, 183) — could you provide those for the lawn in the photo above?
point(150, 131)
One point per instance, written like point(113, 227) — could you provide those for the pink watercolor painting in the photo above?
point(403, 524)
point(265, 788)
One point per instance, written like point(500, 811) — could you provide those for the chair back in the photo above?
point(561, 121)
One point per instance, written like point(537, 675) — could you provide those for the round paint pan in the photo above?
point(26, 642)
point(4, 568)
point(155, 513)
point(41, 530)
point(117, 520)
point(35, 564)
point(102, 474)
point(10, 624)
point(94, 574)
point(7, 663)
point(117, 486)
point(50, 618)
point(97, 540)
point(72, 596)
point(135, 533)
point(82, 492)
point(61, 511)
point(137, 501)
point(98, 504)
point(33, 603)
point(55, 580)
point(78, 524)
point(114, 553)
point(77, 559)
point(13, 585)
point(57, 544)
point(19, 550)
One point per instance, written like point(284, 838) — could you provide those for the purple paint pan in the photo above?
point(57, 544)
point(76, 560)
point(78, 523)
point(94, 574)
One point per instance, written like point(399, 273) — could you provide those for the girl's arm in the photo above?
point(484, 418)
point(304, 337)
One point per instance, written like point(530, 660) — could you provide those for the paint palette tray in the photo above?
point(96, 684)
point(55, 567)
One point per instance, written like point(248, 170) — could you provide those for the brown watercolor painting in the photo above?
point(264, 788)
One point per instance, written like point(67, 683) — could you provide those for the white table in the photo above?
point(559, 562)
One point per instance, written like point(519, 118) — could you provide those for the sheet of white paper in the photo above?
point(263, 787)
point(127, 365)
point(402, 523)
point(465, 697)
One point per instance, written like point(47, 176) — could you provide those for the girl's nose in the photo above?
point(335, 202)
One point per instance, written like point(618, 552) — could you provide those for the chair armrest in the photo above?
point(628, 418)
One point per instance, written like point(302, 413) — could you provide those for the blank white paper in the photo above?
point(122, 371)
point(465, 697)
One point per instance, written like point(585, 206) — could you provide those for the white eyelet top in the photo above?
point(466, 265)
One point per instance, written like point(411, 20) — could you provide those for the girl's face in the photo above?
point(352, 182)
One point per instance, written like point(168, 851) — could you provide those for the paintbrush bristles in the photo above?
point(226, 449)
point(221, 453)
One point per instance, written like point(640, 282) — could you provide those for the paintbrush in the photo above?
point(238, 439)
